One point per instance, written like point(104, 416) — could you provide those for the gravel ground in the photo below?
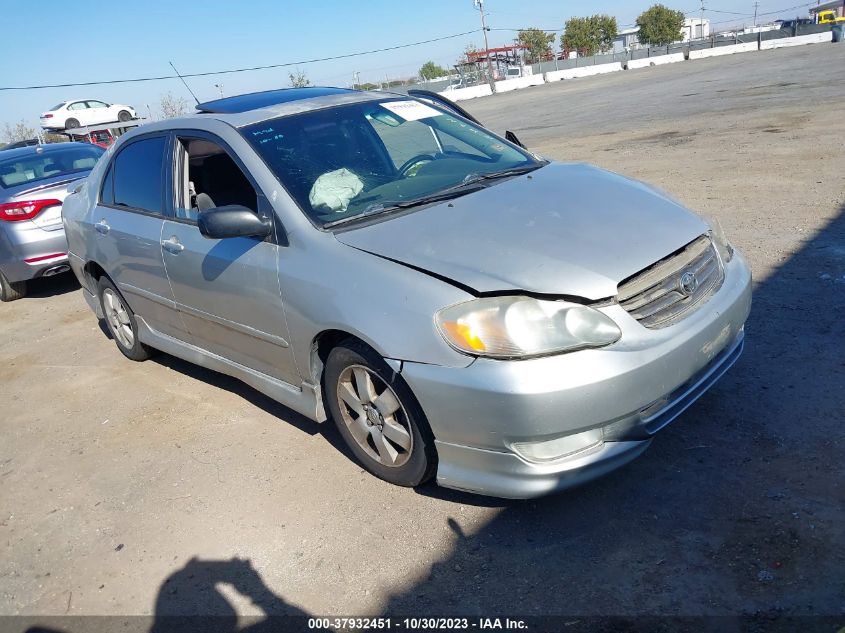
point(163, 488)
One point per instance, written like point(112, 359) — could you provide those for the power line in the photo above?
point(239, 70)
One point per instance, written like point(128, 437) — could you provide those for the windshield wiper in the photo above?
point(373, 209)
point(395, 205)
point(505, 173)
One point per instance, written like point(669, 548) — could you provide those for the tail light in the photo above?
point(16, 211)
point(47, 116)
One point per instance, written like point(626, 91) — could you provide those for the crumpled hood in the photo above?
point(567, 229)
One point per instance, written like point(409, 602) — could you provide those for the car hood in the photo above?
point(566, 229)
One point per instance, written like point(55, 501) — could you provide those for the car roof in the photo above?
point(242, 110)
point(256, 100)
point(39, 149)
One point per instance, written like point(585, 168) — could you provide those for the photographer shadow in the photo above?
point(190, 599)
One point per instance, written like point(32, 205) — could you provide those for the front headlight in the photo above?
point(520, 327)
point(717, 234)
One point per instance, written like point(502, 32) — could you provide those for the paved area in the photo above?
point(160, 487)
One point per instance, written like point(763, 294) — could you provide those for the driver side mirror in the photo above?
point(232, 220)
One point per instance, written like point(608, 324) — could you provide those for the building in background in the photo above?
point(837, 6)
point(695, 29)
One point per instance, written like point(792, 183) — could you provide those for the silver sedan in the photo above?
point(460, 307)
point(33, 183)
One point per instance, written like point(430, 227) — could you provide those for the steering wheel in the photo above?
point(415, 161)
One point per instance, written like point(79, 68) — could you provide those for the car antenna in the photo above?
point(184, 82)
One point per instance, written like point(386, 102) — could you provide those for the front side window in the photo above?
point(96, 104)
point(138, 181)
point(350, 161)
point(37, 166)
point(207, 177)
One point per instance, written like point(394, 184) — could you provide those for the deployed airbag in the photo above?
point(333, 190)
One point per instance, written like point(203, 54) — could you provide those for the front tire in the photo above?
point(121, 321)
point(124, 116)
point(11, 290)
point(378, 416)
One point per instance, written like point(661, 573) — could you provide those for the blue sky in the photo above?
point(222, 34)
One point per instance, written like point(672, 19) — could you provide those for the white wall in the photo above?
point(584, 71)
point(520, 82)
point(723, 50)
point(659, 60)
point(468, 93)
point(815, 38)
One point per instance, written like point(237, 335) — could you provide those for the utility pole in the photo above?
point(756, 6)
point(701, 23)
point(480, 5)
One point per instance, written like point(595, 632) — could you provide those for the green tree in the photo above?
point(539, 43)
point(430, 70)
point(299, 79)
point(660, 26)
point(591, 35)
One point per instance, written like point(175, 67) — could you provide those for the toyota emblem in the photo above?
point(688, 283)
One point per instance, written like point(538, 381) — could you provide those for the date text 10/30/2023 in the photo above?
point(417, 624)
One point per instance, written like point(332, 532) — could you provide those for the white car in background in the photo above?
point(72, 114)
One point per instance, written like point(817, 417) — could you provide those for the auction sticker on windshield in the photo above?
point(410, 110)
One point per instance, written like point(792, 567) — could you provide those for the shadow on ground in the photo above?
point(46, 287)
point(735, 510)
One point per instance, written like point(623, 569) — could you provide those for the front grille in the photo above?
point(656, 296)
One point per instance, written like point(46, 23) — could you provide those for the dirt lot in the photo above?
point(135, 488)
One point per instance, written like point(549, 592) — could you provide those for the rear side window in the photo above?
point(107, 192)
point(55, 163)
point(137, 175)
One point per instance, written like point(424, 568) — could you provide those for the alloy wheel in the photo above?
point(118, 318)
point(374, 416)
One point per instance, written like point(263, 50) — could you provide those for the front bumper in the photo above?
point(630, 390)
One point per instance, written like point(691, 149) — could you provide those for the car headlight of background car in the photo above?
point(522, 327)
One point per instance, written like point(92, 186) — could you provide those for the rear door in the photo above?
point(128, 221)
point(227, 290)
point(79, 110)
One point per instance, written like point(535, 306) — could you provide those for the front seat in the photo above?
point(223, 183)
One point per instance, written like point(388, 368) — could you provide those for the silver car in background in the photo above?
point(33, 183)
point(461, 308)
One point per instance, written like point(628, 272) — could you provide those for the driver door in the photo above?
point(226, 289)
point(98, 112)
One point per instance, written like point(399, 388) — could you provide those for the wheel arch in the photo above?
point(93, 272)
point(322, 345)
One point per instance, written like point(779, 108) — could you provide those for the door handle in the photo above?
point(173, 246)
point(102, 227)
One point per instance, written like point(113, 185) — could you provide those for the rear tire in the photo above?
point(124, 116)
point(71, 124)
point(121, 321)
point(377, 416)
point(11, 290)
